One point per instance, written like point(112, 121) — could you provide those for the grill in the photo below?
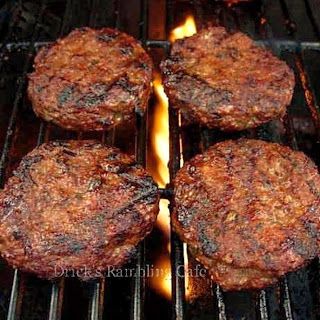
point(290, 28)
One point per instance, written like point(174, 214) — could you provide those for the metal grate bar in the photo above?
point(117, 15)
point(285, 302)
point(16, 296)
point(66, 18)
point(96, 304)
point(57, 289)
point(97, 289)
point(216, 292)
point(219, 305)
point(56, 300)
point(3, 45)
point(138, 285)
point(296, 288)
point(290, 25)
point(277, 44)
point(17, 285)
point(312, 11)
point(21, 83)
point(177, 260)
point(139, 281)
point(308, 92)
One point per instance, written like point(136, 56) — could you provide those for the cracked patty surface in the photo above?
point(75, 205)
point(249, 211)
point(225, 81)
point(91, 80)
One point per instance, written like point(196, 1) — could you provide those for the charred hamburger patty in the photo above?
point(225, 81)
point(77, 206)
point(249, 211)
point(91, 80)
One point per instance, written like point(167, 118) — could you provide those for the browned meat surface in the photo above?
point(77, 206)
point(225, 81)
point(91, 80)
point(249, 211)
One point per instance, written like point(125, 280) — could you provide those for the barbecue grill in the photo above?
point(291, 28)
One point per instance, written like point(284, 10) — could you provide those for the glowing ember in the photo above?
point(185, 30)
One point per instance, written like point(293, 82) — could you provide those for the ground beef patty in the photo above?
point(91, 80)
point(249, 211)
point(76, 206)
point(225, 81)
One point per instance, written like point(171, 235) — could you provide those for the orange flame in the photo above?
point(161, 280)
point(160, 144)
point(187, 29)
point(161, 132)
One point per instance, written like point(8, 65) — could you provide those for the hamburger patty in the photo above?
point(249, 211)
point(225, 81)
point(91, 80)
point(77, 206)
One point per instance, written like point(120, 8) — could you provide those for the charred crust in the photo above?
point(69, 152)
point(208, 246)
point(23, 172)
point(77, 213)
point(127, 50)
point(107, 37)
point(107, 79)
point(214, 77)
point(65, 95)
point(261, 220)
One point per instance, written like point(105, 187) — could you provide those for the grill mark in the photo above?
point(208, 246)
point(251, 187)
point(292, 164)
point(297, 246)
point(22, 237)
point(191, 89)
point(227, 195)
point(23, 171)
point(66, 95)
point(67, 242)
point(150, 193)
point(102, 93)
point(99, 221)
point(230, 186)
point(252, 199)
point(69, 152)
point(124, 171)
point(107, 37)
point(137, 181)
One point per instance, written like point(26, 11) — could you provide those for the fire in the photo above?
point(187, 29)
point(161, 132)
point(163, 219)
point(160, 145)
point(161, 280)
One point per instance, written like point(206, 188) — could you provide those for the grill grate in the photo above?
point(297, 296)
